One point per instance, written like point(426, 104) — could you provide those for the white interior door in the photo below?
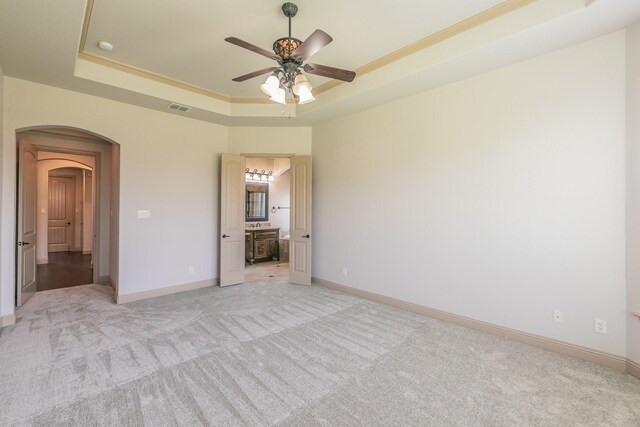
point(61, 211)
point(26, 256)
point(300, 228)
point(232, 181)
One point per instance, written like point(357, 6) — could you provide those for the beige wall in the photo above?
point(270, 140)
point(169, 165)
point(500, 198)
point(633, 191)
point(280, 195)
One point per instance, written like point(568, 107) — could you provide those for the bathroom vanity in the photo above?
point(261, 244)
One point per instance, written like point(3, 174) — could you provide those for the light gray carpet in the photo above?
point(264, 354)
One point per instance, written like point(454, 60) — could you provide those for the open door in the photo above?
point(300, 228)
point(26, 254)
point(232, 181)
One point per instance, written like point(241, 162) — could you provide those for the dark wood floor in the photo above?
point(65, 269)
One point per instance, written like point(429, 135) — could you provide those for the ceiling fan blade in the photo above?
point(255, 74)
point(316, 41)
point(251, 47)
point(331, 72)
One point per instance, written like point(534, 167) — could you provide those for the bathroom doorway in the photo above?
point(267, 219)
point(238, 236)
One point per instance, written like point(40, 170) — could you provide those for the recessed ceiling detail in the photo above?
point(197, 57)
point(152, 65)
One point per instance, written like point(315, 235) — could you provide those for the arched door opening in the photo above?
point(67, 210)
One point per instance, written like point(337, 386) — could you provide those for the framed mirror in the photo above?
point(257, 202)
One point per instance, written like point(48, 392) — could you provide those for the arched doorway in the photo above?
point(84, 168)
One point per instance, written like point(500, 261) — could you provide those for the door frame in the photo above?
point(279, 156)
point(97, 184)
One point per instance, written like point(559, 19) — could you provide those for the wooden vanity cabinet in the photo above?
point(262, 245)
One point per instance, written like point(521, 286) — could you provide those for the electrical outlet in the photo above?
point(344, 271)
point(192, 269)
point(558, 316)
point(600, 326)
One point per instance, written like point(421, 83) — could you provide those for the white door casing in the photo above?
point(60, 231)
point(26, 245)
point(300, 227)
point(232, 193)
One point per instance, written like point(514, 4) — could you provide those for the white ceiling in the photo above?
point(184, 41)
point(187, 42)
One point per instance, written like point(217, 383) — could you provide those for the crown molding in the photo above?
point(476, 20)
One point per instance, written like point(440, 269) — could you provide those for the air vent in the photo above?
point(179, 107)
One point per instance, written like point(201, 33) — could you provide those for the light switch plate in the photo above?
point(144, 214)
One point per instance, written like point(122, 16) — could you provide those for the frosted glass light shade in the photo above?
point(305, 95)
point(300, 82)
point(270, 86)
point(279, 96)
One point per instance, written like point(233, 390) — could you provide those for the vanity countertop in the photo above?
point(261, 228)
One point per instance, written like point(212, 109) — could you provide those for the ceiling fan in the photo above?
point(291, 53)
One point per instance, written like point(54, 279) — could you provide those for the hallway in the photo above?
point(65, 269)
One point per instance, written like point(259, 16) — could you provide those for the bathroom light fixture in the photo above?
point(256, 176)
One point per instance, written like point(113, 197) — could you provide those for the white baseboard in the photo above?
point(153, 293)
point(8, 320)
point(619, 363)
point(633, 368)
point(42, 261)
point(86, 252)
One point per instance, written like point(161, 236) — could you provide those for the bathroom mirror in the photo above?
point(257, 201)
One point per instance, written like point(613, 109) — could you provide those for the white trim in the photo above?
point(619, 363)
point(137, 296)
point(8, 320)
point(633, 368)
point(42, 261)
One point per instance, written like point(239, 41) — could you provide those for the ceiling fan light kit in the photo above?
point(290, 53)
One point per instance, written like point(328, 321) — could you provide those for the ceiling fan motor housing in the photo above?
point(286, 46)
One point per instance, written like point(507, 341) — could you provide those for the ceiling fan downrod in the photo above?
point(290, 10)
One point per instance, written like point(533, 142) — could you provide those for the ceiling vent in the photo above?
point(179, 107)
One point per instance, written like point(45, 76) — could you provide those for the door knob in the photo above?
point(307, 236)
point(68, 223)
point(224, 236)
point(23, 243)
